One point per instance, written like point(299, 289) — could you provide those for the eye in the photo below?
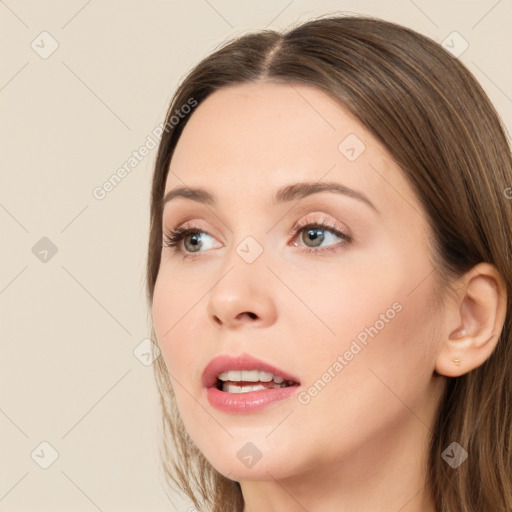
point(314, 232)
point(193, 244)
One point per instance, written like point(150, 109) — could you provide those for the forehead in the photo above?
point(264, 123)
point(255, 138)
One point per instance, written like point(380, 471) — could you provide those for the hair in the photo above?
point(441, 129)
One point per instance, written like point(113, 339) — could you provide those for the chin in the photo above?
point(246, 463)
point(234, 470)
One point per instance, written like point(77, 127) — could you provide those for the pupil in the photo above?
point(313, 234)
point(194, 240)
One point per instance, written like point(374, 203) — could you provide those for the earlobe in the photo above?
point(474, 321)
point(452, 360)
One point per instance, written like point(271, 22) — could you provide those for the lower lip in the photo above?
point(247, 402)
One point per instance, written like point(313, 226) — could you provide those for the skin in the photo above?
point(361, 442)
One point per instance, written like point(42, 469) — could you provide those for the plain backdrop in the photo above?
point(82, 85)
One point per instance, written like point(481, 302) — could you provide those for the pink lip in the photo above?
point(225, 363)
point(243, 402)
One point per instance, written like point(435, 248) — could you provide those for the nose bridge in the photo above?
point(243, 291)
point(247, 246)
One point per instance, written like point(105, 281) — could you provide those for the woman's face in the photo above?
point(346, 309)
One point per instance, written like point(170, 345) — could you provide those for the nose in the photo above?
point(243, 296)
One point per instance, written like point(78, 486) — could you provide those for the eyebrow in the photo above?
point(283, 195)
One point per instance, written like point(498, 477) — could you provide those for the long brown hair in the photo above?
point(440, 127)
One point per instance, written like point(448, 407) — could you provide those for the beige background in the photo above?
point(70, 321)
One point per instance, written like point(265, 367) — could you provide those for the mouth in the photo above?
point(244, 381)
point(244, 384)
point(244, 374)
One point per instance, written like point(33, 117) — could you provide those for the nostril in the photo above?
point(249, 313)
point(238, 317)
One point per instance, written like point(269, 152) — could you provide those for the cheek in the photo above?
point(174, 324)
point(383, 384)
point(178, 330)
point(381, 321)
point(382, 355)
point(173, 319)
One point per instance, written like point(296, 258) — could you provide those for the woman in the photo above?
point(329, 277)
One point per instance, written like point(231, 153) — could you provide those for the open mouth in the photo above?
point(244, 381)
point(244, 384)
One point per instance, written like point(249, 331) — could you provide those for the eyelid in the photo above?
point(174, 237)
point(322, 220)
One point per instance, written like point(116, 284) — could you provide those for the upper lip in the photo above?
point(225, 363)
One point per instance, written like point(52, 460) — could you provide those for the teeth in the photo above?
point(265, 376)
point(233, 375)
point(235, 388)
point(249, 376)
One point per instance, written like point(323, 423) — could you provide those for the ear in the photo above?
point(473, 322)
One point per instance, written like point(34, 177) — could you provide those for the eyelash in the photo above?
point(173, 237)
